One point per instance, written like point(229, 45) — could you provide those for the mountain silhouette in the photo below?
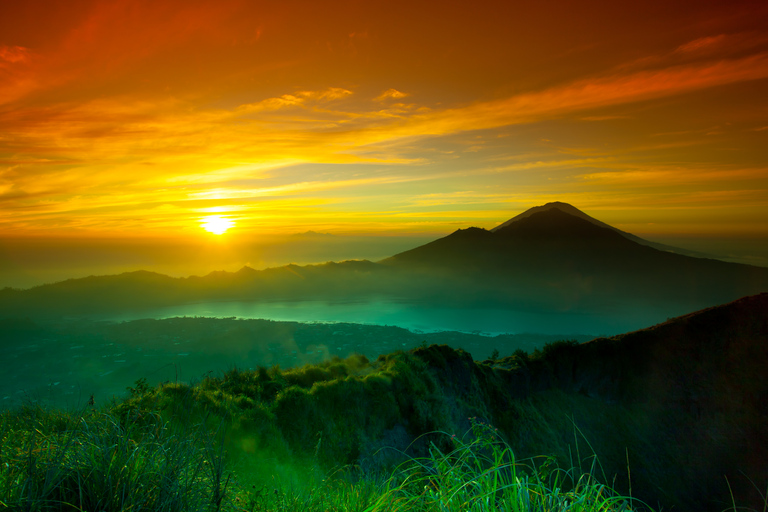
point(550, 260)
point(564, 258)
point(572, 210)
point(540, 229)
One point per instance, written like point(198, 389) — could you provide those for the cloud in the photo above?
point(703, 44)
point(332, 93)
point(458, 198)
point(269, 104)
point(668, 176)
point(604, 118)
point(390, 94)
point(14, 54)
point(120, 43)
point(721, 44)
point(589, 94)
point(304, 187)
point(297, 99)
point(17, 73)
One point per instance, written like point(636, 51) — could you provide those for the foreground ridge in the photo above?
point(689, 389)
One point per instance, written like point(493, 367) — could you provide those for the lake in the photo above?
point(416, 317)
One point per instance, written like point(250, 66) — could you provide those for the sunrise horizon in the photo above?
point(220, 245)
point(139, 120)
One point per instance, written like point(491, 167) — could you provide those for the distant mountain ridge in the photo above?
point(551, 260)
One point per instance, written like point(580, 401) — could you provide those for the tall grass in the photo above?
point(94, 460)
point(479, 474)
point(482, 474)
point(53, 460)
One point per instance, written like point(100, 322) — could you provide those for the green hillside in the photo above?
point(671, 415)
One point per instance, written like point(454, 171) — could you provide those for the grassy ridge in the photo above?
point(321, 437)
point(681, 404)
point(327, 437)
point(94, 461)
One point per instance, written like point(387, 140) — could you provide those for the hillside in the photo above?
point(142, 290)
point(681, 404)
point(81, 359)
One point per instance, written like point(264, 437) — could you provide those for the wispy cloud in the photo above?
point(605, 118)
point(703, 44)
point(588, 94)
point(666, 176)
point(14, 54)
point(458, 198)
point(303, 187)
point(298, 99)
point(141, 111)
point(390, 94)
point(722, 45)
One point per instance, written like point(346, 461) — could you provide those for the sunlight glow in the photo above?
point(274, 139)
point(216, 224)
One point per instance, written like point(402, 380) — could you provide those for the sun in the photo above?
point(216, 224)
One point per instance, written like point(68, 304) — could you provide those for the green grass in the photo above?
point(481, 473)
point(345, 435)
point(111, 460)
point(53, 460)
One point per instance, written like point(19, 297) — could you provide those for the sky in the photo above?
point(172, 120)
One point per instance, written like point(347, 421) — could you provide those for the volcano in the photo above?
point(561, 256)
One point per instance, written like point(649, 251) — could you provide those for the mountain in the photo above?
point(549, 227)
point(552, 262)
point(560, 258)
point(572, 210)
point(142, 290)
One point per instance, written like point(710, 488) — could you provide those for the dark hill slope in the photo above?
point(683, 400)
point(700, 384)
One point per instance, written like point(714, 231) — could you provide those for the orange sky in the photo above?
point(141, 118)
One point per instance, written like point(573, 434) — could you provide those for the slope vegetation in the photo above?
point(671, 411)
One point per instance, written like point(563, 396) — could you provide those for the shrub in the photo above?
point(296, 412)
point(307, 375)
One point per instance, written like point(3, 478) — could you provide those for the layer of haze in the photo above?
point(27, 262)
